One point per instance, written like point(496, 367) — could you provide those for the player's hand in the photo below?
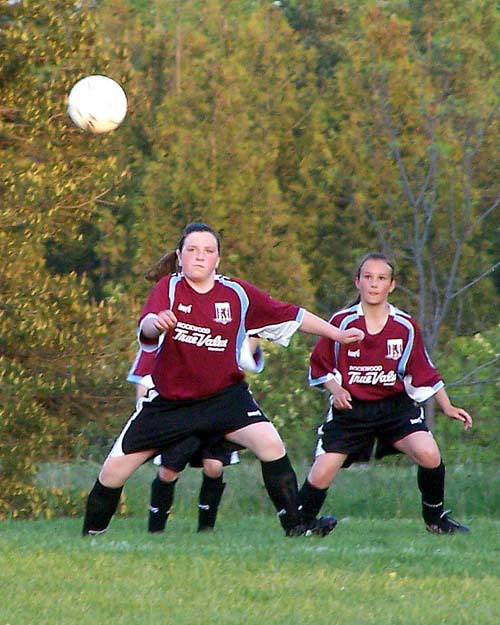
point(460, 415)
point(341, 399)
point(351, 335)
point(165, 321)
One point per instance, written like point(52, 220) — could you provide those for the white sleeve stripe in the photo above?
point(172, 287)
point(409, 345)
point(322, 380)
point(131, 376)
point(278, 332)
point(420, 393)
point(148, 347)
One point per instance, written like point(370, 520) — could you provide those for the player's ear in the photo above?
point(393, 286)
point(178, 252)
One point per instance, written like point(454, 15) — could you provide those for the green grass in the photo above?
point(377, 490)
point(368, 572)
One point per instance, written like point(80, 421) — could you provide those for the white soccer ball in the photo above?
point(97, 103)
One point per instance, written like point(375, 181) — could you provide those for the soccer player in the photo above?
point(199, 387)
point(212, 458)
point(375, 391)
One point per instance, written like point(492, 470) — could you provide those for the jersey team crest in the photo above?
point(394, 349)
point(223, 312)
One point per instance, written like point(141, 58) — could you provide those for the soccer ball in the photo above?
point(97, 103)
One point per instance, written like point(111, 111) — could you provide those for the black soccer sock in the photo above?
point(311, 499)
point(102, 503)
point(281, 484)
point(162, 496)
point(210, 495)
point(431, 485)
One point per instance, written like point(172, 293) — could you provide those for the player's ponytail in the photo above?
point(166, 265)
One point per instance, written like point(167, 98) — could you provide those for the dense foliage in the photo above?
point(306, 132)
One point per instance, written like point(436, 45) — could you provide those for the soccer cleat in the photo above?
point(317, 527)
point(94, 532)
point(445, 525)
point(324, 526)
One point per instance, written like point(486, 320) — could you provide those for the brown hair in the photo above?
point(372, 256)
point(168, 262)
point(375, 256)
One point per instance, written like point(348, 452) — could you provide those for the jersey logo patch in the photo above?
point(223, 312)
point(354, 353)
point(185, 309)
point(394, 349)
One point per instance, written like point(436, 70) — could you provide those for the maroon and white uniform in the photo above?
point(191, 450)
point(140, 371)
point(201, 356)
point(385, 374)
point(383, 365)
point(199, 388)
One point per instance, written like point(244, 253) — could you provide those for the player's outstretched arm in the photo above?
point(312, 324)
point(452, 411)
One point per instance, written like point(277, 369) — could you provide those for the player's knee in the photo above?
point(212, 468)
point(323, 471)
point(429, 458)
point(167, 475)
point(273, 450)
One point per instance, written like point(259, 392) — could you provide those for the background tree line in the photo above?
point(307, 132)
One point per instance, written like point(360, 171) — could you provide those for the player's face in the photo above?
point(375, 282)
point(199, 256)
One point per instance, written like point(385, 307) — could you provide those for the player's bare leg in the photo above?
point(315, 488)
point(278, 474)
point(423, 450)
point(104, 497)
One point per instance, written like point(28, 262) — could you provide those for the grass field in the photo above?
point(368, 572)
point(379, 567)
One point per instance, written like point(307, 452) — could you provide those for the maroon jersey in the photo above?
point(384, 364)
point(140, 371)
point(142, 365)
point(200, 356)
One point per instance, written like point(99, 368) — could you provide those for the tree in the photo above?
point(223, 138)
point(55, 339)
point(414, 153)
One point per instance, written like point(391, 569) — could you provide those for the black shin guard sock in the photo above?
point(162, 496)
point(209, 500)
point(431, 485)
point(311, 499)
point(102, 503)
point(281, 484)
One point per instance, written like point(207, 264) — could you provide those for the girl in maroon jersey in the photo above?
point(199, 386)
point(212, 458)
point(374, 390)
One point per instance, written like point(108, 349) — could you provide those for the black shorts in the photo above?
point(160, 423)
point(354, 432)
point(194, 451)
